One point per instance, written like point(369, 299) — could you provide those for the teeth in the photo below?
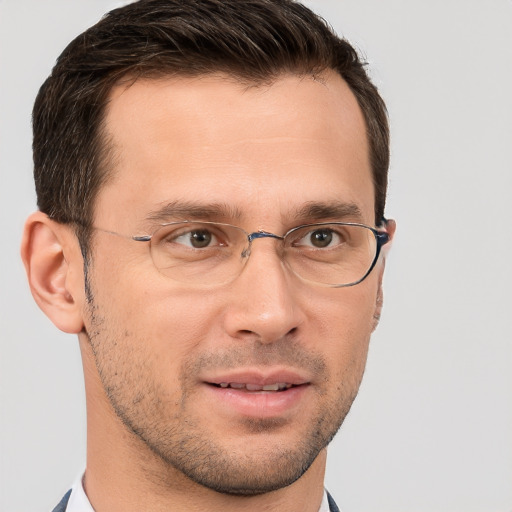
point(254, 387)
point(278, 386)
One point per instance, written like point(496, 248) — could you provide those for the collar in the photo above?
point(79, 502)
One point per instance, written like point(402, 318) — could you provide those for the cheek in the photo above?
point(344, 321)
point(151, 314)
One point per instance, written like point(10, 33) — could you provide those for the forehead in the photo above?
point(261, 150)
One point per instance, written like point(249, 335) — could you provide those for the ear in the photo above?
point(54, 266)
point(379, 301)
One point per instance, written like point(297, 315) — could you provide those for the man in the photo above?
point(211, 179)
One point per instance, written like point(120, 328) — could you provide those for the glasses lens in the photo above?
point(203, 253)
point(332, 254)
point(198, 252)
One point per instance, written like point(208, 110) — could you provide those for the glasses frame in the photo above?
point(381, 238)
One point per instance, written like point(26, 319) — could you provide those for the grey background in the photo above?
point(431, 430)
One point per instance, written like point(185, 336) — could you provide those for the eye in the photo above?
point(197, 239)
point(320, 238)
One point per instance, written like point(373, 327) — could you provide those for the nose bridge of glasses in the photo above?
point(258, 234)
point(263, 234)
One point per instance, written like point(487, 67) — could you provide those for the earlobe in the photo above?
point(390, 228)
point(53, 264)
point(378, 306)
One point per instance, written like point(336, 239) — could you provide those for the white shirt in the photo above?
point(78, 501)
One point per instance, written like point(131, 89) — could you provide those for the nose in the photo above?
point(264, 300)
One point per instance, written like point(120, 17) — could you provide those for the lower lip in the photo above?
point(257, 404)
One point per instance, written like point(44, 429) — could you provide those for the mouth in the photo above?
point(276, 393)
point(276, 380)
point(255, 388)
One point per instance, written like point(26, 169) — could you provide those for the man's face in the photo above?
point(270, 157)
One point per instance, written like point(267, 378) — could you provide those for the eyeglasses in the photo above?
point(335, 254)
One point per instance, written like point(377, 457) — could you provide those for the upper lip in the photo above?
point(259, 377)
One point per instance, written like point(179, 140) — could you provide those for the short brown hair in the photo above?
point(253, 40)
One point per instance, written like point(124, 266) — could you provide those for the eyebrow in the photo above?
point(311, 211)
point(187, 210)
point(333, 210)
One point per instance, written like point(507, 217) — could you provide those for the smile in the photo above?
point(278, 386)
point(274, 392)
point(250, 396)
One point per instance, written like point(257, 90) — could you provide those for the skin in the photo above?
point(159, 438)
